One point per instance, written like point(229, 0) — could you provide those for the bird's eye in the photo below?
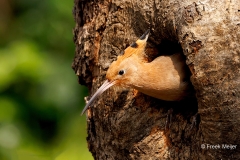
point(121, 72)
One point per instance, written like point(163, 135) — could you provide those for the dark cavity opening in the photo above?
point(188, 106)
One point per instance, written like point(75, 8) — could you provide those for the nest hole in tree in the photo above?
point(189, 105)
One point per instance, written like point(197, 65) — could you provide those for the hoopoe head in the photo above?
point(121, 70)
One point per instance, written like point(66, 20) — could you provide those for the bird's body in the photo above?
point(163, 78)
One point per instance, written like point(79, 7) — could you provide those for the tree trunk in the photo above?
point(125, 124)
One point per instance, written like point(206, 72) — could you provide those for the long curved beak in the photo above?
point(107, 84)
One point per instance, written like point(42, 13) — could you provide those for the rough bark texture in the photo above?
point(124, 124)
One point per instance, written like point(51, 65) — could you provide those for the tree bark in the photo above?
point(125, 124)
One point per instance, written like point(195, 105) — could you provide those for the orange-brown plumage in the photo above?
point(163, 78)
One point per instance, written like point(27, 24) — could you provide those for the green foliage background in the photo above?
point(40, 98)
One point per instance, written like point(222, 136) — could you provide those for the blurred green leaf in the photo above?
point(9, 107)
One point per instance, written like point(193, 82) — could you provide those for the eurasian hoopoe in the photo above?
point(163, 78)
